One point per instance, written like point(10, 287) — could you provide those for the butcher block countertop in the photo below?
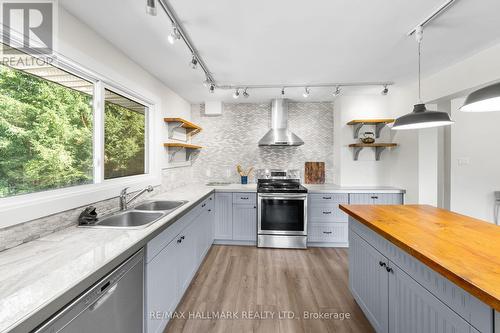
point(464, 250)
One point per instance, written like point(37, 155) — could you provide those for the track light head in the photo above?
point(306, 93)
point(174, 35)
point(207, 82)
point(151, 7)
point(194, 62)
point(337, 91)
point(385, 91)
point(245, 94)
point(236, 94)
point(211, 89)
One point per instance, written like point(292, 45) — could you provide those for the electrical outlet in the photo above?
point(463, 161)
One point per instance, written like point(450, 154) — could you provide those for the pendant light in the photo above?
point(421, 117)
point(486, 99)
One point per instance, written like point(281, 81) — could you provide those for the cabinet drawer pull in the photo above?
point(209, 210)
point(374, 197)
point(179, 240)
point(382, 264)
point(182, 237)
point(244, 198)
point(326, 213)
point(328, 232)
point(389, 270)
point(327, 198)
point(203, 205)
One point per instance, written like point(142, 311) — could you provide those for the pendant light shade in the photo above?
point(486, 99)
point(422, 118)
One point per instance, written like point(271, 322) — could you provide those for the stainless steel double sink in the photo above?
point(138, 217)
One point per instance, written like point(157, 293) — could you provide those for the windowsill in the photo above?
point(23, 208)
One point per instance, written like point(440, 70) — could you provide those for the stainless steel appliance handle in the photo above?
point(283, 196)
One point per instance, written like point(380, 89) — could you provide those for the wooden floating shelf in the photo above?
point(191, 129)
point(379, 125)
point(190, 149)
point(379, 148)
point(181, 145)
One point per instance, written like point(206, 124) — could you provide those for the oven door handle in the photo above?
point(283, 197)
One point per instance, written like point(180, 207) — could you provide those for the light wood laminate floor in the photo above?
point(248, 281)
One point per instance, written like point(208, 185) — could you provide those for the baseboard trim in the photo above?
point(323, 244)
point(234, 242)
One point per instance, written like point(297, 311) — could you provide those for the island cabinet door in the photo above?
point(413, 309)
point(369, 282)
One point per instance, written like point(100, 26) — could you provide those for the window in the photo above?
point(124, 139)
point(48, 132)
point(46, 127)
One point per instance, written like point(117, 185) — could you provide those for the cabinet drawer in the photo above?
point(327, 232)
point(244, 198)
point(326, 214)
point(328, 199)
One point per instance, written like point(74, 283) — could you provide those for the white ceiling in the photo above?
point(291, 41)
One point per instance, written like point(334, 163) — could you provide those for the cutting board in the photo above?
point(314, 173)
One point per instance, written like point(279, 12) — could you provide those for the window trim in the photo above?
point(26, 207)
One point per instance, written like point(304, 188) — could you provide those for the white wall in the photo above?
point(80, 43)
point(366, 171)
point(475, 162)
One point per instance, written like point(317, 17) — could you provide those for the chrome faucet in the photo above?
point(123, 196)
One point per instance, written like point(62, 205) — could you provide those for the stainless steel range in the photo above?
point(281, 209)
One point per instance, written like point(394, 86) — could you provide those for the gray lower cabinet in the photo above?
point(376, 198)
point(224, 216)
point(173, 257)
point(397, 299)
point(245, 222)
point(413, 309)
point(369, 282)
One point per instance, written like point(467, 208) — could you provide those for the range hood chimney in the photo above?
point(279, 134)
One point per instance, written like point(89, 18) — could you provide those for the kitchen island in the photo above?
point(417, 268)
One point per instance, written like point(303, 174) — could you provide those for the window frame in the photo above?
point(25, 207)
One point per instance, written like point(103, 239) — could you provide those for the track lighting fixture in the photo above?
point(151, 7)
point(206, 83)
point(385, 91)
point(236, 94)
point(194, 62)
point(306, 93)
point(211, 89)
point(245, 94)
point(174, 35)
point(337, 91)
point(282, 92)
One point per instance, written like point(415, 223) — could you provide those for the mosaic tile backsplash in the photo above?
point(231, 139)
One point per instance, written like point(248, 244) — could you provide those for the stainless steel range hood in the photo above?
point(279, 134)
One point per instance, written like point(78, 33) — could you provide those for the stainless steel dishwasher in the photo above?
point(114, 304)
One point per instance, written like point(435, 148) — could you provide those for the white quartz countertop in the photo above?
point(313, 188)
point(40, 277)
point(333, 188)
